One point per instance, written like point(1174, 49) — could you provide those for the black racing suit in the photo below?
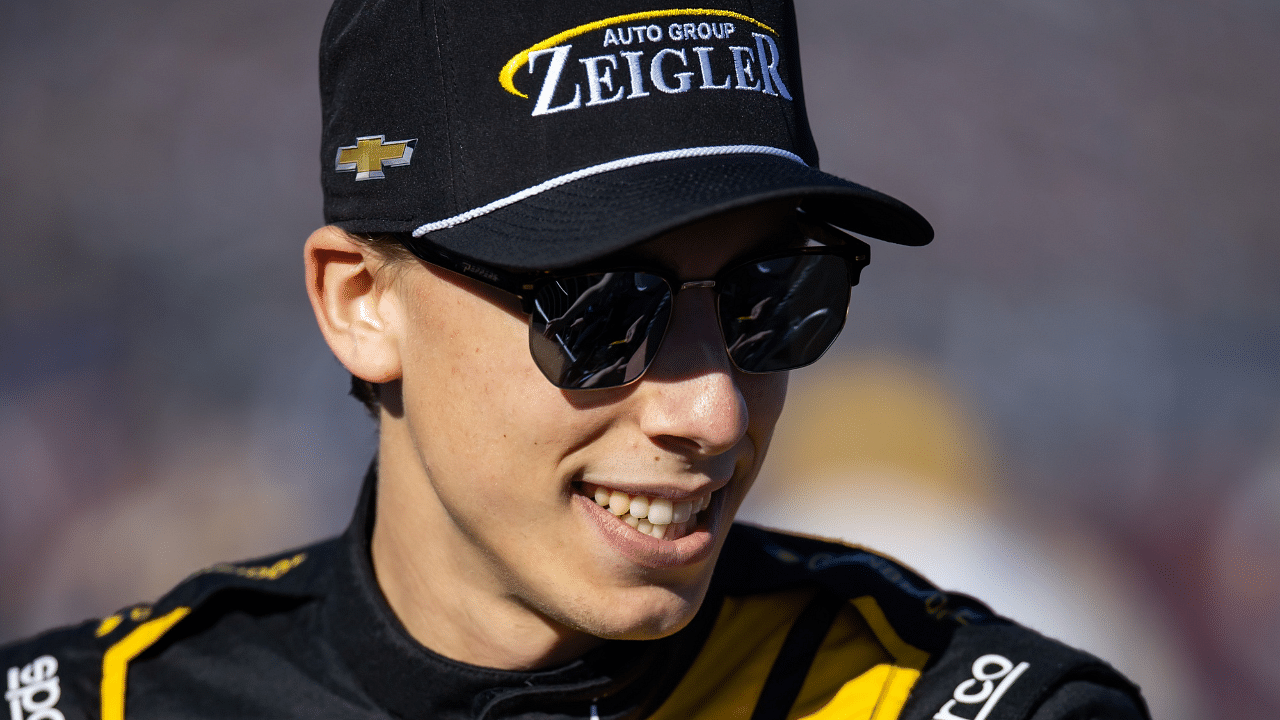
point(792, 627)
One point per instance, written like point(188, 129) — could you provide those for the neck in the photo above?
point(437, 583)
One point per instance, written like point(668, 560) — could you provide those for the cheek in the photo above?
point(472, 394)
point(459, 350)
point(765, 396)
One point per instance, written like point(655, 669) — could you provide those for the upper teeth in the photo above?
point(650, 515)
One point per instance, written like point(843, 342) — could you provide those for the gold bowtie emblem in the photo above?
point(372, 153)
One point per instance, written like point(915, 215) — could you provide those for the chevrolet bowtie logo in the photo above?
point(372, 153)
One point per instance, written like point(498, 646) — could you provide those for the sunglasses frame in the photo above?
point(525, 285)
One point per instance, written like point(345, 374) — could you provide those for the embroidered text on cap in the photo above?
point(720, 53)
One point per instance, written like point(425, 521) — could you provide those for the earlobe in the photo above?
point(354, 311)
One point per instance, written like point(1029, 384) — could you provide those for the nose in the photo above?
point(691, 400)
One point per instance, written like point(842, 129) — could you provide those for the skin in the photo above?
point(484, 544)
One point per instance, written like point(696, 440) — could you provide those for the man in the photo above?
point(573, 250)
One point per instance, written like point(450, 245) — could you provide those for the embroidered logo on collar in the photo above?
point(34, 690)
point(667, 51)
point(981, 688)
point(371, 153)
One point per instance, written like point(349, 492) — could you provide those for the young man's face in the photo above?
point(490, 473)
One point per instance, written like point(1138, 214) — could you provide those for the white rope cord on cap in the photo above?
point(604, 168)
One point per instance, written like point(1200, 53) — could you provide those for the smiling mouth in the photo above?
point(656, 517)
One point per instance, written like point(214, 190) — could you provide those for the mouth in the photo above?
point(656, 517)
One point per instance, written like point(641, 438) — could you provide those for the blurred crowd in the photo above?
point(1068, 405)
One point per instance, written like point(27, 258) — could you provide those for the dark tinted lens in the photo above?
point(783, 313)
point(600, 330)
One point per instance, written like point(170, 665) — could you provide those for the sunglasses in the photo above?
point(594, 329)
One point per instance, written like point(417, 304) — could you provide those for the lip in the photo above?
point(650, 552)
point(671, 493)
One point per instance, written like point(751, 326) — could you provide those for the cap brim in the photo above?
point(593, 216)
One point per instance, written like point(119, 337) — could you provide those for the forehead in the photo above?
point(700, 249)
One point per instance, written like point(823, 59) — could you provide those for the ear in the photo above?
point(357, 315)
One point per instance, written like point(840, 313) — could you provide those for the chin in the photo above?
point(644, 614)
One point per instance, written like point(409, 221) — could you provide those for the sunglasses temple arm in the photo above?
point(514, 283)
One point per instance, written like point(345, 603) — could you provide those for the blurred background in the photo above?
point(1069, 405)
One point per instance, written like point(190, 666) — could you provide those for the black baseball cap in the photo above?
point(546, 133)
